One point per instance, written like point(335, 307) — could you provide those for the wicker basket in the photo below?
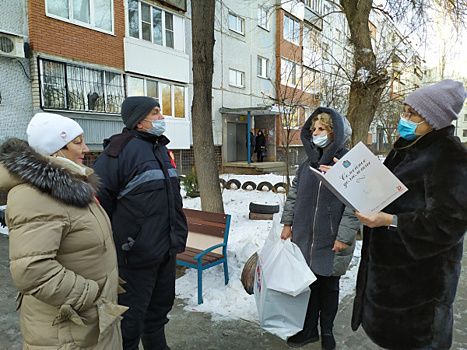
point(248, 273)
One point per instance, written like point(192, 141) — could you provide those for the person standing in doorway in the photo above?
point(252, 141)
point(260, 145)
point(141, 194)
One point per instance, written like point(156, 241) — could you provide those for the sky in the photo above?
point(230, 302)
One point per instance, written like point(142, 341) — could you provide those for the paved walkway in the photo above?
point(194, 330)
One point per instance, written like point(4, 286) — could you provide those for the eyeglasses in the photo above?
point(408, 115)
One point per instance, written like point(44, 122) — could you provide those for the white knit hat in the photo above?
point(48, 132)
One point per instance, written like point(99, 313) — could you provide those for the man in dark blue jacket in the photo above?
point(141, 194)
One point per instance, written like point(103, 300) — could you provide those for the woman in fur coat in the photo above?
point(320, 225)
point(411, 253)
point(62, 255)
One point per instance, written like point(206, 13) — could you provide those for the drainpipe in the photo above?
point(249, 138)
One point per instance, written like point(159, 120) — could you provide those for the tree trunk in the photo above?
point(368, 82)
point(201, 110)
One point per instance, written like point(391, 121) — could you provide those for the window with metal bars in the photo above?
point(79, 88)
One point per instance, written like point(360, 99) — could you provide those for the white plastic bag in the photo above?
point(282, 285)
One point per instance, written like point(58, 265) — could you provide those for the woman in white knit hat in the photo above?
point(62, 255)
point(412, 250)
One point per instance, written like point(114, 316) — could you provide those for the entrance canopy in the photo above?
point(251, 111)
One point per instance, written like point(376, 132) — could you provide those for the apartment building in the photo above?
point(77, 63)
point(395, 52)
point(157, 56)
point(274, 62)
point(15, 78)
point(244, 76)
point(299, 65)
point(82, 58)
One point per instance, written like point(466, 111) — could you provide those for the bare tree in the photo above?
point(203, 12)
point(369, 78)
point(387, 119)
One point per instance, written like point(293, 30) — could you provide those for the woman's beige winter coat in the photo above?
point(61, 253)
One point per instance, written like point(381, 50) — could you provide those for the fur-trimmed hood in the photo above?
point(56, 177)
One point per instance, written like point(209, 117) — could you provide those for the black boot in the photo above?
point(327, 340)
point(303, 337)
point(155, 341)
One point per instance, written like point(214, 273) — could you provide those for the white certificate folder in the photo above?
point(361, 181)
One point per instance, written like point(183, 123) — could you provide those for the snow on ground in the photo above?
point(245, 238)
point(3, 230)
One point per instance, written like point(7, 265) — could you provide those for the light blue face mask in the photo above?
point(321, 141)
point(407, 128)
point(158, 127)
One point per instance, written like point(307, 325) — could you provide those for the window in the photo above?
point(152, 24)
point(236, 78)
point(289, 72)
point(372, 29)
point(310, 79)
point(311, 38)
point(314, 4)
point(263, 67)
point(236, 23)
point(291, 29)
point(291, 120)
point(73, 87)
point(338, 35)
point(96, 14)
point(263, 17)
point(464, 133)
point(465, 117)
point(325, 51)
point(170, 96)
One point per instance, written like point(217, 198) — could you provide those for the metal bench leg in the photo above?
point(200, 286)
point(226, 272)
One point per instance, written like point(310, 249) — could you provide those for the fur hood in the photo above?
point(342, 133)
point(56, 177)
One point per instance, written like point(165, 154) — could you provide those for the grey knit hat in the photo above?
point(440, 103)
point(136, 108)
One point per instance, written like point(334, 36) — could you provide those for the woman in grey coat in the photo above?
point(322, 227)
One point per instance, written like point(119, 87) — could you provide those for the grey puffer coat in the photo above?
point(317, 216)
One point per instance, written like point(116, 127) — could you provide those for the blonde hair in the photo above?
point(325, 119)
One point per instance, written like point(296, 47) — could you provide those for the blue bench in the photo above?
point(206, 246)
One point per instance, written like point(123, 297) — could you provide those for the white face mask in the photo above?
point(321, 141)
point(81, 168)
point(158, 127)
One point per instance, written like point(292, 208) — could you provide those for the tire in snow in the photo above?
point(249, 186)
point(264, 208)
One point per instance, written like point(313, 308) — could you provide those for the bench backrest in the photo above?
point(206, 229)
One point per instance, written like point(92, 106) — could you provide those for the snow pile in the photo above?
point(245, 238)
